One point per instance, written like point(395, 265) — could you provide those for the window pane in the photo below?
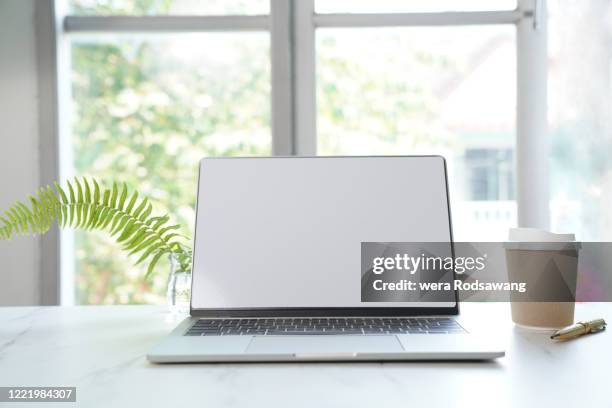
point(408, 6)
point(580, 124)
point(449, 91)
point(177, 7)
point(145, 110)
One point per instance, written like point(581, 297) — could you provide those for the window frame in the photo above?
point(292, 25)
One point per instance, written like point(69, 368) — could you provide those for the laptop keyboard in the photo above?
point(323, 326)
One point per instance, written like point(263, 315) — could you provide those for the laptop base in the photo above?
point(178, 348)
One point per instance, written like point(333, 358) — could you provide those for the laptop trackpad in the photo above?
point(323, 344)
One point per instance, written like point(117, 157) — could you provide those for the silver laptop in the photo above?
point(277, 270)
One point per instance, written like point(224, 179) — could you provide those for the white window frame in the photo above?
point(292, 25)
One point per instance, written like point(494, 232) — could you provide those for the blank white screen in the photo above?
point(287, 232)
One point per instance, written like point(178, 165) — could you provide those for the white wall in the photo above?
point(19, 146)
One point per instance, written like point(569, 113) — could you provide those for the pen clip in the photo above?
point(595, 326)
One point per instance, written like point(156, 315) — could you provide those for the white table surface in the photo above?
point(101, 350)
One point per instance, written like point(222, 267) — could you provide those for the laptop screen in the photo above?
point(288, 232)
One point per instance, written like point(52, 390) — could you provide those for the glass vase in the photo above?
point(179, 288)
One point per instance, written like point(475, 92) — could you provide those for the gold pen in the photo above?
point(579, 329)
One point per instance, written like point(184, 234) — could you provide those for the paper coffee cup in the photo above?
point(548, 264)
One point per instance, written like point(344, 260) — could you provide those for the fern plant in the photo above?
point(120, 211)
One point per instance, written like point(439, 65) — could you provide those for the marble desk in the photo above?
point(101, 350)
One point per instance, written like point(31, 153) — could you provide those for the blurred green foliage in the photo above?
point(145, 110)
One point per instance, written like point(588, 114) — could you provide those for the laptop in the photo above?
point(278, 263)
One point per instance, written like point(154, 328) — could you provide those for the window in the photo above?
point(427, 90)
point(155, 85)
point(580, 130)
point(149, 107)
point(489, 174)
point(145, 108)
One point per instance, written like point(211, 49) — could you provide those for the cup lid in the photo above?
point(538, 235)
point(543, 246)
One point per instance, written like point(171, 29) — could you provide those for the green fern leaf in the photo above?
point(82, 215)
point(116, 219)
point(80, 206)
point(79, 215)
point(154, 261)
point(124, 194)
point(96, 193)
point(63, 210)
point(25, 221)
point(24, 218)
point(106, 197)
point(7, 223)
point(132, 202)
point(115, 193)
point(37, 210)
point(93, 216)
point(72, 195)
point(87, 191)
point(124, 231)
point(72, 206)
point(121, 220)
point(62, 194)
point(47, 207)
point(141, 207)
point(136, 238)
point(79, 191)
point(85, 203)
point(102, 217)
point(14, 220)
point(166, 229)
point(143, 245)
point(130, 228)
point(49, 201)
point(10, 213)
point(145, 215)
point(161, 222)
point(110, 217)
point(168, 237)
point(148, 252)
